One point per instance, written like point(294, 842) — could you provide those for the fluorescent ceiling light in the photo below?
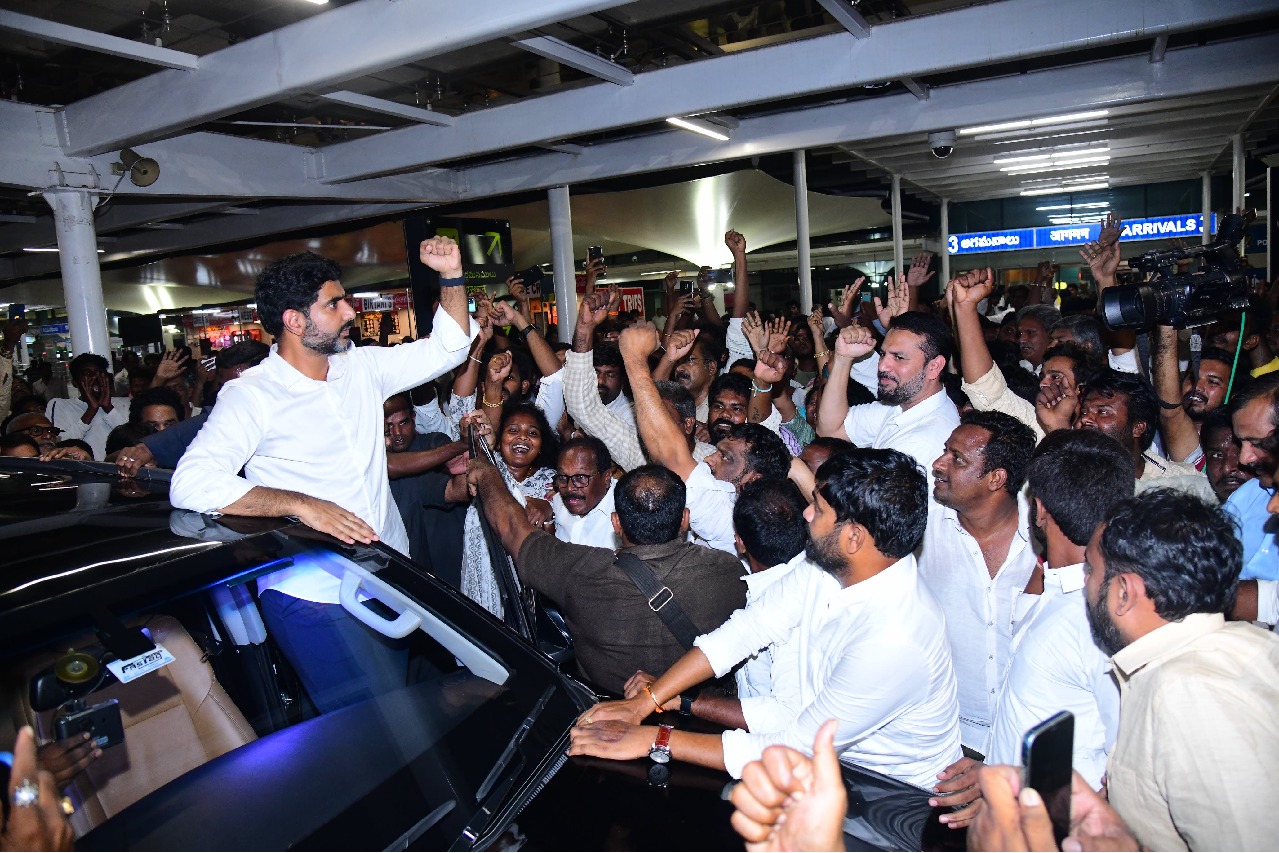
point(1068, 188)
point(1032, 155)
point(51, 249)
point(1029, 124)
point(1074, 206)
point(705, 128)
point(319, 2)
point(1039, 168)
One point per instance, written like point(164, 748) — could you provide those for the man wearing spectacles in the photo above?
point(36, 427)
point(583, 504)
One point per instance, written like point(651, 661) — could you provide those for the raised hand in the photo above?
point(1102, 260)
point(593, 309)
point(638, 341)
point(843, 312)
point(919, 274)
point(755, 331)
point(735, 242)
point(515, 286)
point(595, 270)
point(499, 368)
point(504, 313)
point(898, 301)
point(614, 298)
point(817, 324)
point(171, 364)
point(770, 367)
point(779, 331)
point(854, 342)
point(680, 344)
point(442, 255)
point(1111, 228)
point(970, 288)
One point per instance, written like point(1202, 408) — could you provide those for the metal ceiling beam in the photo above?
point(210, 233)
point(117, 217)
point(849, 18)
point(1028, 28)
point(39, 28)
point(390, 108)
point(1187, 72)
point(574, 57)
point(314, 54)
point(917, 89)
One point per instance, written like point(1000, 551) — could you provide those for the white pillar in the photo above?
point(81, 277)
point(803, 256)
point(564, 262)
point(898, 259)
point(1207, 208)
point(945, 243)
point(1237, 174)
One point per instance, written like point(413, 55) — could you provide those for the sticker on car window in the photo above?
point(128, 670)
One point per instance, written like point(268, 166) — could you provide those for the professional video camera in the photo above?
point(1183, 300)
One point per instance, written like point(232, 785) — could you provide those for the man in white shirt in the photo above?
point(913, 413)
point(977, 554)
point(871, 648)
point(97, 412)
point(1075, 477)
point(308, 422)
point(583, 504)
point(747, 452)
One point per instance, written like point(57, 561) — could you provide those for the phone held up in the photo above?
point(1046, 752)
point(596, 253)
point(532, 279)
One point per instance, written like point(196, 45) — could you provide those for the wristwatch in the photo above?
point(686, 700)
point(661, 751)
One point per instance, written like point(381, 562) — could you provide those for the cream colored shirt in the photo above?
point(1196, 762)
point(991, 393)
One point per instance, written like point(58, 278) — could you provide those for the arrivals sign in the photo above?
point(1054, 236)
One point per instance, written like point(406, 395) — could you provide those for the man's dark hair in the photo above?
point(829, 442)
point(402, 401)
point(748, 363)
point(83, 361)
point(291, 283)
point(1083, 362)
point(936, 336)
point(679, 397)
point(1215, 421)
point(883, 490)
point(155, 397)
point(1085, 330)
point(76, 442)
point(125, 435)
point(734, 383)
point(245, 352)
point(1009, 447)
point(769, 519)
point(1184, 549)
point(650, 504)
point(16, 440)
point(1020, 381)
point(710, 347)
point(607, 354)
point(765, 452)
point(1079, 475)
point(1142, 407)
point(1266, 386)
point(858, 394)
point(550, 452)
point(597, 449)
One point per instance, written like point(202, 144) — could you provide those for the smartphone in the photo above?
point(532, 278)
point(867, 295)
point(17, 311)
point(470, 305)
point(102, 721)
point(685, 288)
point(1046, 753)
point(593, 253)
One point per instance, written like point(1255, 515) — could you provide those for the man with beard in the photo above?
point(1200, 395)
point(97, 412)
point(308, 422)
point(1075, 477)
point(36, 427)
point(730, 397)
point(1193, 763)
point(872, 652)
point(746, 452)
point(977, 555)
point(1256, 413)
point(583, 504)
point(1122, 406)
point(913, 413)
point(693, 364)
point(1221, 455)
point(432, 502)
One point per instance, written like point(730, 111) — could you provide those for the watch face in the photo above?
point(659, 775)
point(661, 756)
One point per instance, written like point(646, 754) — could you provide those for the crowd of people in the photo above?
point(891, 532)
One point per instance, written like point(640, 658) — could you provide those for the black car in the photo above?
point(122, 616)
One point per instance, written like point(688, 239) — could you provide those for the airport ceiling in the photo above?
point(275, 118)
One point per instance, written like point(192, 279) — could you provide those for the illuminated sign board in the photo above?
point(1053, 236)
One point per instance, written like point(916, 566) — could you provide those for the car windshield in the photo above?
point(186, 678)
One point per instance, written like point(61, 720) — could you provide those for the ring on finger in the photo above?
point(26, 794)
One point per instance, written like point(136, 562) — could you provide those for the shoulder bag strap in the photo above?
point(660, 598)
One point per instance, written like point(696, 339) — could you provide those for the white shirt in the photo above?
point(550, 397)
point(65, 414)
point(873, 656)
point(594, 529)
point(429, 418)
point(710, 505)
point(1268, 603)
point(920, 431)
point(621, 407)
point(768, 681)
point(1056, 666)
point(979, 609)
point(317, 437)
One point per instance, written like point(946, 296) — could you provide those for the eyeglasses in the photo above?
point(49, 431)
point(579, 481)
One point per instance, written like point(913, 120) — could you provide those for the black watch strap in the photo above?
point(686, 700)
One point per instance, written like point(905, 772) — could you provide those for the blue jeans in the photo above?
point(340, 660)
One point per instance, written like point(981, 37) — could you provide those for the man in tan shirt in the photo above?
point(1194, 764)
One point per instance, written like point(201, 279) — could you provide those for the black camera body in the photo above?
point(1184, 300)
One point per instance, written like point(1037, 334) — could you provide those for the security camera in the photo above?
point(942, 142)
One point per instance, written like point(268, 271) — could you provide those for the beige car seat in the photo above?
point(175, 719)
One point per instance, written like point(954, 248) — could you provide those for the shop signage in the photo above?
point(1053, 236)
point(55, 329)
point(633, 300)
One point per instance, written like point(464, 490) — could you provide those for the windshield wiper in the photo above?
point(508, 753)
